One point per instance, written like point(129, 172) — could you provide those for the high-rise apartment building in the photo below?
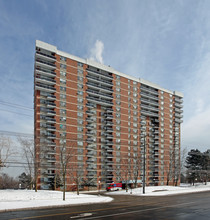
point(108, 118)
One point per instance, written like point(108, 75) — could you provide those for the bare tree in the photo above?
point(27, 145)
point(169, 165)
point(7, 182)
point(67, 153)
point(123, 173)
point(76, 174)
point(5, 150)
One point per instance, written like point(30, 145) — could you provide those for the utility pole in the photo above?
point(144, 164)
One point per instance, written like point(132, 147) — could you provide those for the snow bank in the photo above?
point(18, 199)
point(164, 190)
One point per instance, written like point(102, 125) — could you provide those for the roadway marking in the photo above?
point(130, 212)
point(82, 215)
point(119, 207)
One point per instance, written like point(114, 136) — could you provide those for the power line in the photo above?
point(16, 112)
point(12, 133)
point(15, 105)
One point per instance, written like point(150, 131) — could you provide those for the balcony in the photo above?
point(178, 120)
point(98, 86)
point(96, 73)
point(148, 107)
point(150, 102)
point(148, 113)
point(51, 105)
point(45, 56)
point(53, 113)
point(97, 80)
point(178, 100)
point(46, 64)
point(178, 105)
point(44, 72)
point(149, 96)
point(178, 115)
point(142, 88)
point(51, 97)
point(104, 95)
point(45, 88)
point(45, 80)
point(51, 128)
point(100, 101)
point(178, 110)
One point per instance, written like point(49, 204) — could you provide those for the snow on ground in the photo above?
point(18, 199)
point(164, 190)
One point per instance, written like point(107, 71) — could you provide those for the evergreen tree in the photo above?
point(194, 164)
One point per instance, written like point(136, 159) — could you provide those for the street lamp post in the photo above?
point(99, 187)
point(144, 166)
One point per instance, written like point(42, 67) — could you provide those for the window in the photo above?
point(62, 66)
point(117, 96)
point(79, 71)
point(80, 122)
point(63, 127)
point(118, 134)
point(134, 83)
point(80, 107)
point(117, 77)
point(118, 83)
point(80, 86)
point(135, 119)
point(63, 58)
point(118, 102)
point(79, 143)
point(118, 89)
point(118, 109)
point(118, 128)
point(63, 104)
point(79, 114)
point(80, 78)
point(135, 125)
point(79, 157)
point(80, 92)
point(80, 100)
point(62, 88)
point(80, 129)
point(62, 96)
point(118, 122)
point(62, 73)
point(80, 64)
point(62, 111)
point(63, 81)
point(79, 136)
point(118, 141)
point(62, 118)
point(118, 115)
point(134, 94)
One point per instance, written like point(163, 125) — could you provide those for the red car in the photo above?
point(114, 187)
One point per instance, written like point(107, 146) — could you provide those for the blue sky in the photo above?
point(166, 42)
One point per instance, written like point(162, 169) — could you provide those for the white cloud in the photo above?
point(196, 130)
point(96, 51)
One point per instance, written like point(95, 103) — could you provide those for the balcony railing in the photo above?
point(46, 55)
point(52, 65)
point(149, 90)
point(149, 96)
point(101, 74)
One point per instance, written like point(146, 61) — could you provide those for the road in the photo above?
point(186, 206)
